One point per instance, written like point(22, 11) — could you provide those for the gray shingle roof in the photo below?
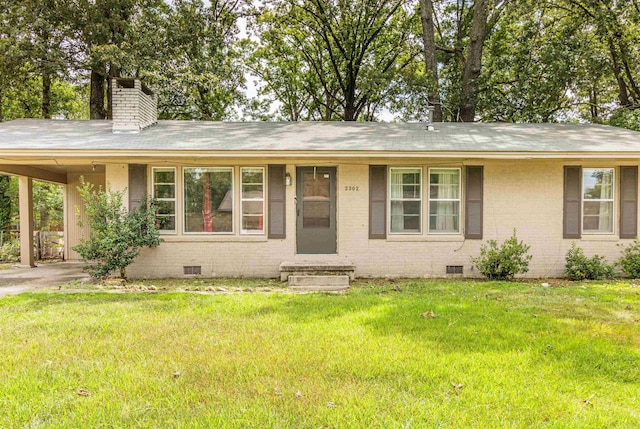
point(319, 136)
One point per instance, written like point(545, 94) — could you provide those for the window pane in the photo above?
point(164, 191)
point(405, 216)
point(406, 195)
point(598, 217)
point(316, 186)
point(405, 183)
point(166, 223)
point(252, 183)
point(444, 184)
point(597, 183)
point(208, 199)
point(164, 188)
point(164, 175)
point(166, 207)
point(252, 223)
point(316, 214)
point(444, 216)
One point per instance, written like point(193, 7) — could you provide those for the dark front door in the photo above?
point(316, 209)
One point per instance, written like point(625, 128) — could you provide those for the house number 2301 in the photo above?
point(352, 188)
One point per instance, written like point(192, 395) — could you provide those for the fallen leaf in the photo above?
point(331, 405)
point(457, 386)
point(545, 285)
point(628, 307)
point(298, 394)
point(83, 392)
point(429, 314)
point(176, 374)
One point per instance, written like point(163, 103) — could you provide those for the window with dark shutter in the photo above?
point(572, 218)
point(628, 202)
point(277, 193)
point(137, 184)
point(473, 201)
point(377, 201)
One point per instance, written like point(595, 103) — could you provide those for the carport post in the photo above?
point(25, 186)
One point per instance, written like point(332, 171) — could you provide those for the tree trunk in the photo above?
point(623, 94)
point(46, 93)
point(350, 111)
point(1, 101)
point(593, 103)
point(429, 42)
point(473, 62)
point(45, 219)
point(113, 72)
point(96, 98)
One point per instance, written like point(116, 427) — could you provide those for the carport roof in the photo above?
point(41, 134)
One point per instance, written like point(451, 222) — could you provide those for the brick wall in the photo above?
point(525, 194)
point(133, 109)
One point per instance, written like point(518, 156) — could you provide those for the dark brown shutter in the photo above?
point(473, 202)
point(277, 192)
point(628, 202)
point(377, 201)
point(137, 184)
point(572, 218)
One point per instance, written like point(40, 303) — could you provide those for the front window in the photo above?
point(405, 200)
point(164, 194)
point(208, 200)
point(252, 200)
point(444, 200)
point(597, 200)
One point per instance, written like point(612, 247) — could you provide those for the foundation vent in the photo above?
point(192, 270)
point(454, 269)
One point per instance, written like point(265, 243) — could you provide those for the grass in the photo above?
point(384, 355)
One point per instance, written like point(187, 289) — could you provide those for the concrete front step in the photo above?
point(319, 283)
point(316, 269)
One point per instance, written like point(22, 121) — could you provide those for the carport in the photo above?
point(26, 174)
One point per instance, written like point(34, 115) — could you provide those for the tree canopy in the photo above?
point(358, 60)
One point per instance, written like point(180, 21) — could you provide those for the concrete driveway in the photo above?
point(17, 280)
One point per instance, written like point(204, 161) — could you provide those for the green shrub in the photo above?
point(504, 262)
point(117, 235)
point(630, 260)
point(10, 251)
point(579, 267)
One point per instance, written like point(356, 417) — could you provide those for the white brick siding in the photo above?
point(132, 109)
point(525, 194)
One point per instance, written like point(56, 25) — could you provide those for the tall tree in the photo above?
point(203, 76)
point(106, 38)
point(353, 50)
point(459, 32)
point(13, 66)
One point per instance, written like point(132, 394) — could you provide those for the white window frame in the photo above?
point(459, 200)
point(262, 200)
point(184, 198)
point(391, 199)
point(606, 200)
point(175, 195)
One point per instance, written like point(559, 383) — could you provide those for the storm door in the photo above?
point(316, 209)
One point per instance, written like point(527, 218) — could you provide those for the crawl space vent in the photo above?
point(454, 269)
point(192, 270)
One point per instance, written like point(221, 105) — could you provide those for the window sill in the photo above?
point(213, 238)
point(600, 238)
point(426, 238)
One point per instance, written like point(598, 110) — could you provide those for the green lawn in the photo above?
point(408, 354)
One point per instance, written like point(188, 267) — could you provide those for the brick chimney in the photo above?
point(134, 106)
